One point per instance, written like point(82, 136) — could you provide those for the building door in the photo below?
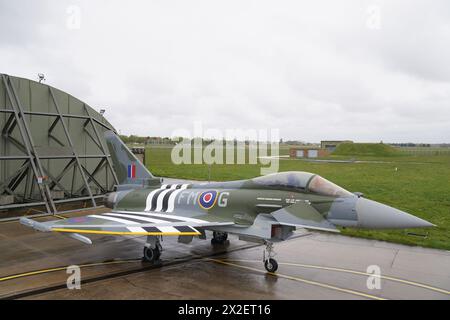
point(312, 153)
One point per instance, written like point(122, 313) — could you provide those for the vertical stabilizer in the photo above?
point(129, 170)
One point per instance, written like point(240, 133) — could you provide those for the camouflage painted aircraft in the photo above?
point(266, 209)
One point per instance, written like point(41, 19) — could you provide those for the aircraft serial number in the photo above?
point(245, 309)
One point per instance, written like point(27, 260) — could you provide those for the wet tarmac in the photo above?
point(311, 266)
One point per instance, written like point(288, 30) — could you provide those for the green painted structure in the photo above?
point(52, 149)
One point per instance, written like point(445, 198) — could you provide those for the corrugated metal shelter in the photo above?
point(52, 149)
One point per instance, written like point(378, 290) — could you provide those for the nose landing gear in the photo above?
point(270, 264)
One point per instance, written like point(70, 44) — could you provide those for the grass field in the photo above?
point(420, 186)
point(366, 149)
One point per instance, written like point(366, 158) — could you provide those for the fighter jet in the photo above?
point(266, 209)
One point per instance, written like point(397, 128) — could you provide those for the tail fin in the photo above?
point(130, 172)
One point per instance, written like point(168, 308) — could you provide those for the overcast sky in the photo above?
point(359, 70)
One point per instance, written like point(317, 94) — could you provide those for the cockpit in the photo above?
point(324, 187)
point(304, 182)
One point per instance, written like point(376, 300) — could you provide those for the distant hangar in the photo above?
point(326, 147)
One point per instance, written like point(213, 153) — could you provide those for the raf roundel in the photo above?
point(207, 199)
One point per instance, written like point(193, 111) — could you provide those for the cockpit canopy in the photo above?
point(302, 181)
point(289, 179)
point(324, 187)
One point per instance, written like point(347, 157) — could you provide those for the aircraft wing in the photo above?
point(303, 215)
point(127, 223)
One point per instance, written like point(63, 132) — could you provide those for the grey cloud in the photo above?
point(314, 70)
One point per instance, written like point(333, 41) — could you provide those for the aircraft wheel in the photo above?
point(219, 237)
point(151, 254)
point(271, 265)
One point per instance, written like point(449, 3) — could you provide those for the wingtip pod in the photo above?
point(26, 222)
point(39, 226)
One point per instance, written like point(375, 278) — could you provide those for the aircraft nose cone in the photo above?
point(375, 215)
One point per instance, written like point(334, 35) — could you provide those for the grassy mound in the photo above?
point(365, 149)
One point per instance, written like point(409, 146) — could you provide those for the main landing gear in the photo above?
point(152, 249)
point(270, 264)
point(219, 237)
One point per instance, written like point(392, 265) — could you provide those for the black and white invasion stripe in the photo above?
point(137, 219)
point(163, 199)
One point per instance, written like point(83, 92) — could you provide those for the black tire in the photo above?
point(151, 255)
point(219, 237)
point(271, 265)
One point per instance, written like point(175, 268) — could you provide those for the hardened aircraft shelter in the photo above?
point(52, 150)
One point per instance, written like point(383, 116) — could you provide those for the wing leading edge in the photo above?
point(126, 223)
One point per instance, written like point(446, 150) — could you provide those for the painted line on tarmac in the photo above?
point(408, 282)
point(32, 273)
point(315, 283)
point(95, 264)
